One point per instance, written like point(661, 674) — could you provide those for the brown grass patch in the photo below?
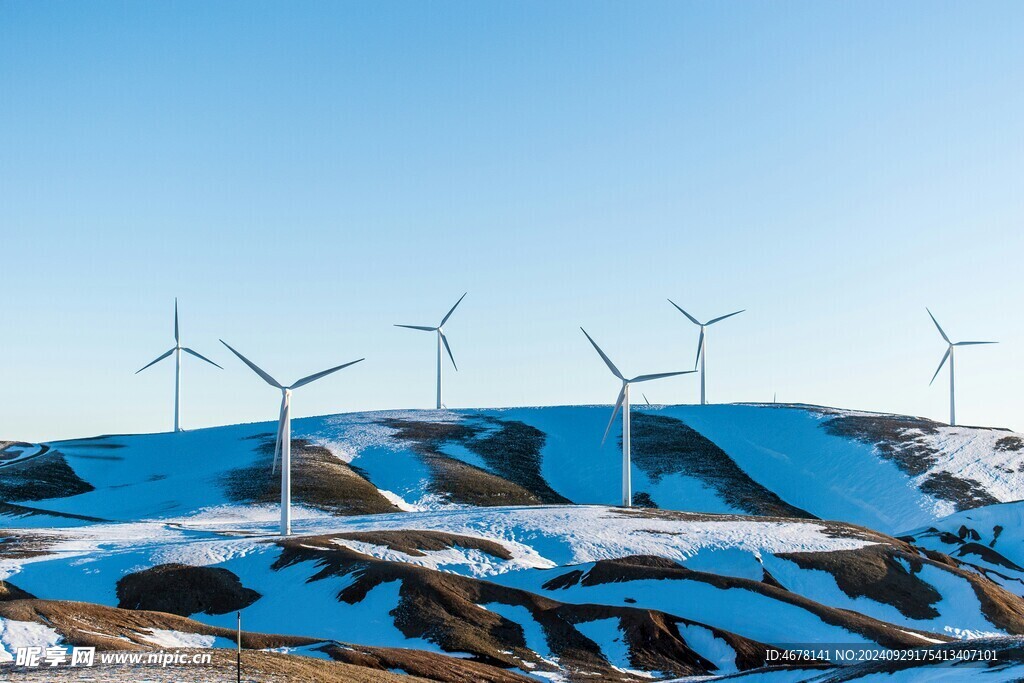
point(413, 542)
point(643, 567)
point(446, 609)
point(39, 478)
point(897, 439)
point(663, 446)
point(511, 451)
point(319, 479)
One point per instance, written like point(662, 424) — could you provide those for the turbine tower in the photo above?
point(441, 340)
point(623, 403)
point(950, 355)
point(283, 445)
point(176, 350)
point(702, 345)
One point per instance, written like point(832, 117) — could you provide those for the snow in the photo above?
point(959, 609)
point(171, 639)
point(783, 448)
point(15, 634)
point(703, 641)
point(533, 632)
point(165, 497)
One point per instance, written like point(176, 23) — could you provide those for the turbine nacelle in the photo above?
point(626, 382)
point(950, 345)
point(282, 445)
point(701, 357)
point(177, 349)
point(442, 340)
point(948, 356)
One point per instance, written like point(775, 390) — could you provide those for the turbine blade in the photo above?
point(449, 350)
point(445, 319)
point(700, 347)
point(266, 378)
point(199, 356)
point(418, 327)
point(158, 359)
point(722, 317)
point(660, 375)
point(176, 338)
point(941, 363)
point(618, 405)
point(607, 361)
point(972, 343)
point(692, 319)
point(312, 378)
point(938, 326)
point(646, 400)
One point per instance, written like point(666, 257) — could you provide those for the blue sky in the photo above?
point(304, 175)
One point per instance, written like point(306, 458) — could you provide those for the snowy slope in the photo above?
point(487, 534)
point(885, 472)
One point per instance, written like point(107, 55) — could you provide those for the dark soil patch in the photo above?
point(662, 446)
point(319, 480)
point(987, 554)
point(898, 439)
point(964, 493)
point(428, 665)
point(413, 542)
point(108, 628)
point(877, 573)
point(894, 436)
point(1010, 443)
point(642, 499)
point(39, 478)
point(510, 450)
point(643, 567)
point(445, 608)
point(184, 590)
point(8, 591)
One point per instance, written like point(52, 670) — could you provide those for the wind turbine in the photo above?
point(283, 446)
point(623, 403)
point(441, 340)
point(176, 350)
point(949, 354)
point(702, 344)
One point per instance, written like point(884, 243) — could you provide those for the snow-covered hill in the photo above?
point(487, 535)
point(886, 472)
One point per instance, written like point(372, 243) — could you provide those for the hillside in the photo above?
point(485, 539)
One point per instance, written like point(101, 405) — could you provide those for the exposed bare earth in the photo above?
point(413, 542)
point(184, 590)
point(445, 608)
point(510, 449)
point(662, 446)
point(112, 629)
point(319, 479)
point(895, 437)
point(46, 476)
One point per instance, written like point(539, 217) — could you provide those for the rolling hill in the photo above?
point(482, 544)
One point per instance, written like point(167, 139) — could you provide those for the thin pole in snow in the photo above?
point(238, 659)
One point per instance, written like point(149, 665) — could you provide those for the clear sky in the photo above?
point(304, 175)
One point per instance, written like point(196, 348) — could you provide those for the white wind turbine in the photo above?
point(949, 355)
point(702, 345)
point(176, 350)
point(623, 402)
point(283, 445)
point(441, 340)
